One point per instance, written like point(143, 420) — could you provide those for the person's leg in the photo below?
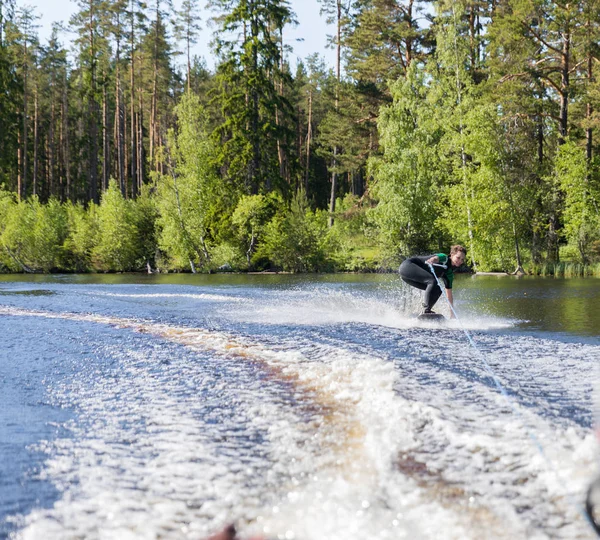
point(414, 275)
point(418, 277)
point(432, 294)
point(413, 283)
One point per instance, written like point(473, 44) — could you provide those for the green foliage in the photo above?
point(581, 217)
point(227, 257)
point(408, 175)
point(355, 235)
point(83, 235)
point(564, 270)
point(249, 220)
point(383, 38)
point(33, 235)
point(145, 216)
point(469, 149)
point(483, 209)
point(190, 198)
point(250, 78)
point(7, 204)
point(118, 236)
point(297, 241)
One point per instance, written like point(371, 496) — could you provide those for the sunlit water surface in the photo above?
point(311, 408)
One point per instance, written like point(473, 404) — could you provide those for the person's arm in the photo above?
point(451, 300)
point(433, 260)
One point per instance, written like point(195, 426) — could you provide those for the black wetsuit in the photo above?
point(416, 272)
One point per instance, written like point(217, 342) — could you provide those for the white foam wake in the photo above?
point(374, 461)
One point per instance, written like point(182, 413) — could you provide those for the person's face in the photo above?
point(457, 258)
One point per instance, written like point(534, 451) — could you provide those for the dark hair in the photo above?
point(456, 248)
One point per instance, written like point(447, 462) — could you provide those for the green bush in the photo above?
point(145, 215)
point(117, 248)
point(298, 241)
point(249, 222)
point(190, 198)
point(355, 235)
point(227, 257)
point(82, 237)
point(7, 203)
point(33, 235)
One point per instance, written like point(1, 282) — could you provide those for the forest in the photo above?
point(441, 122)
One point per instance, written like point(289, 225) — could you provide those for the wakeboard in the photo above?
point(431, 317)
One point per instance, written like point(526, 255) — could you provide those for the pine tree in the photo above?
point(186, 30)
point(25, 39)
point(158, 49)
point(87, 24)
point(247, 90)
point(9, 101)
point(57, 95)
point(534, 55)
point(114, 23)
point(337, 13)
point(136, 21)
point(384, 37)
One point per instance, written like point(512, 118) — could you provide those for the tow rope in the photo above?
point(576, 505)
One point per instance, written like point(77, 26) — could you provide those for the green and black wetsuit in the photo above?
point(416, 272)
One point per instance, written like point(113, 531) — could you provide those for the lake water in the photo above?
point(298, 407)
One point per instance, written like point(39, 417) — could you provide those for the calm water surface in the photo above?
point(299, 407)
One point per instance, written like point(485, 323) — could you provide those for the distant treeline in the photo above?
point(443, 122)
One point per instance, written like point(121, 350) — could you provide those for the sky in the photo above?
point(312, 27)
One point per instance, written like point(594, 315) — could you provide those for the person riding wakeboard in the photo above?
point(417, 272)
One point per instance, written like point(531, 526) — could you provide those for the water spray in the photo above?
point(576, 505)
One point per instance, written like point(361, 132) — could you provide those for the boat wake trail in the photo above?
point(351, 422)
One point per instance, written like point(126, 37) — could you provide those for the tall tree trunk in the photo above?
point(19, 166)
point(140, 141)
point(154, 100)
point(189, 62)
point(255, 161)
point(283, 168)
point(540, 139)
point(105, 138)
point(338, 64)
point(52, 147)
point(472, 36)
point(519, 269)
point(333, 190)
point(92, 114)
point(467, 193)
point(120, 112)
point(410, 40)
point(92, 169)
point(80, 190)
point(119, 117)
point(23, 189)
point(133, 143)
point(564, 87)
point(65, 141)
point(588, 114)
point(36, 141)
point(308, 140)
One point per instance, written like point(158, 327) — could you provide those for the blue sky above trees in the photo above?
point(312, 28)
